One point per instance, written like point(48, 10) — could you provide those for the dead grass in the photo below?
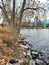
point(4, 30)
point(8, 46)
point(25, 24)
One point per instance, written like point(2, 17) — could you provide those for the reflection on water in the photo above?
point(39, 38)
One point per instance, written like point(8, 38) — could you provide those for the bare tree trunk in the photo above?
point(21, 15)
point(13, 15)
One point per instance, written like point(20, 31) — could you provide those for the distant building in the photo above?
point(44, 22)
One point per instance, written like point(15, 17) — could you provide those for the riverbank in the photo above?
point(9, 47)
point(21, 49)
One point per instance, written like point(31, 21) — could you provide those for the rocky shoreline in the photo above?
point(36, 57)
point(19, 52)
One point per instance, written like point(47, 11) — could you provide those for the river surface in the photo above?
point(39, 38)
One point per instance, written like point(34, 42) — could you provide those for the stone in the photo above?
point(32, 62)
point(40, 62)
point(23, 46)
point(42, 56)
point(34, 54)
point(24, 54)
point(15, 62)
point(47, 61)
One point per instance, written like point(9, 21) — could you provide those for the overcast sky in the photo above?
point(42, 1)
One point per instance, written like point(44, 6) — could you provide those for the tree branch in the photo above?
point(4, 10)
point(41, 8)
point(4, 13)
point(33, 8)
point(21, 15)
point(29, 8)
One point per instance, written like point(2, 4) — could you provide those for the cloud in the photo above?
point(42, 1)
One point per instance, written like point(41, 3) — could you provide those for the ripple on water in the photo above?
point(39, 38)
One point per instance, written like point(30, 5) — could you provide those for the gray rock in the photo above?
point(26, 54)
point(23, 46)
point(40, 62)
point(42, 56)
point(34, 54)
point(15, 62)
point(32, 62)
point(47, 61)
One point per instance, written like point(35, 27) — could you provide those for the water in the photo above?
point(39, 38)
